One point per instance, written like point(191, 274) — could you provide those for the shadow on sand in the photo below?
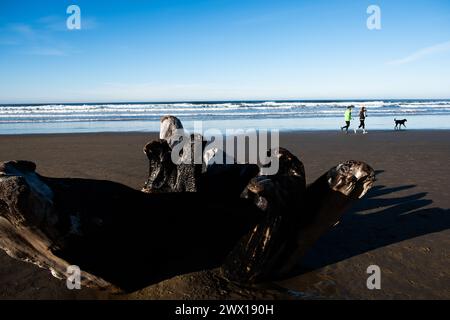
point(377, 221)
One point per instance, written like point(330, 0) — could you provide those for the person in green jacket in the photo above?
point(348, 118)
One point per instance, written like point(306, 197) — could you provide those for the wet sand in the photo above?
point(402, 225)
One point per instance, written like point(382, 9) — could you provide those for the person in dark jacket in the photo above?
point(362, 119)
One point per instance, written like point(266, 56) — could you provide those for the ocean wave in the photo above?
point(215, 110)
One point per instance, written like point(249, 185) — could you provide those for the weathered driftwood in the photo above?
point(189, 175)
point(115, 234)
point(296, 217)
point(30, 224)
point(190, 218)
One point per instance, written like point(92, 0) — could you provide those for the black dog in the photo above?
point(399, 124)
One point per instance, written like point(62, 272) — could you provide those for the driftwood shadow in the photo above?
point(133, 239)
point(394, 219)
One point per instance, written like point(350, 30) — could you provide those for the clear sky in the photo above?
point(170, 50)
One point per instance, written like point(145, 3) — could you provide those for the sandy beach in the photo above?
point(402, 225)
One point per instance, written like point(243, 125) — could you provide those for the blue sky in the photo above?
point(171, 50)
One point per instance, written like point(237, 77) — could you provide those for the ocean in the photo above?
point(282, 115)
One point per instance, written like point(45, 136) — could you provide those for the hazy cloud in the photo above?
point(22, 29)
point(43, 37)
point(58, 23)
point(420, 54)
point(46, 52)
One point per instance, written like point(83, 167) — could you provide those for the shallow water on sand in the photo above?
point(429, 122)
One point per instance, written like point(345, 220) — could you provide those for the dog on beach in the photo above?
point(399, 124)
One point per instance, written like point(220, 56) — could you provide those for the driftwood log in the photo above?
point(190, 217)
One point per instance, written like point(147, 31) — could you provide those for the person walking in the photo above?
point(362, 119)
point(348, 118)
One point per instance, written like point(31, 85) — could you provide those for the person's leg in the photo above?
point(364, 126)
point(347, 125)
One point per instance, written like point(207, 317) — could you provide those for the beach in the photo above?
point(402, 225)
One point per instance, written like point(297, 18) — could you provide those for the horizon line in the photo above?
point(220, 101)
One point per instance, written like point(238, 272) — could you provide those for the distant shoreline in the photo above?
point(285, 131)
point(219, 101)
